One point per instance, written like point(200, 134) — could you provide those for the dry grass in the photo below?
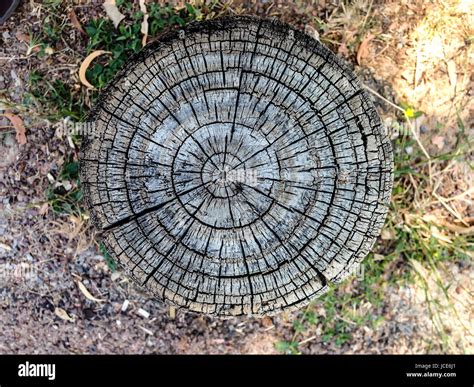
point(426, 54)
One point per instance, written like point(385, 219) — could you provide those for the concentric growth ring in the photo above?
point(237, 168)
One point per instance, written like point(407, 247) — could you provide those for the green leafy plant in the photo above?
point(127, 39)
point(112, 265)
point(410, 112)
point(56, 99)
point(288, 347)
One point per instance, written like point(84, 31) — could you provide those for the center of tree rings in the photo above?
point(237, 167)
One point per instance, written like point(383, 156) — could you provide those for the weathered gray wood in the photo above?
point(238, 168)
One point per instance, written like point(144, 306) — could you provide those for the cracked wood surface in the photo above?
point(237, 167)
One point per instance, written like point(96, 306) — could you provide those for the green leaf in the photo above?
point(190, 9)
point(70, 171)
point(287, 347)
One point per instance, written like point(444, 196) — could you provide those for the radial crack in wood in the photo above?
point(237, 167)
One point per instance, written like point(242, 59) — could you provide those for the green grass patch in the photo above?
point(56, 99)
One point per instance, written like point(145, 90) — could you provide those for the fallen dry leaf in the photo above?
point(5, 247)
point(75, 21)
point(458, 229)
point(144, 29)
point(311, 31)
point(267, 322)
point(438, 141)
point(86, 292)
point(62, 314)
point(387, 235)
point(17, 123)
point(25, 38)
point(453, 78)
point(49, 50)
point(378, 257)
point(44, 209)
point(85, 65)
point(343, 50)
point(435, 232)
point(363, 51)
point(113, 12)
point(172, 312)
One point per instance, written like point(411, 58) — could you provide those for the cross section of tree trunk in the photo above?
point(237, 167)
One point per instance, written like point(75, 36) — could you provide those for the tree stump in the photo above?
point(236, 168)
